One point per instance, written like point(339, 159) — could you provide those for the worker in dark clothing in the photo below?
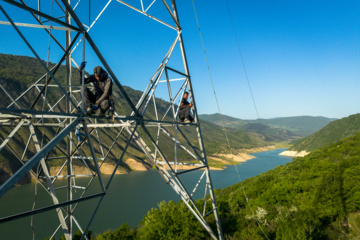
point(185, 108)
point(103, 90)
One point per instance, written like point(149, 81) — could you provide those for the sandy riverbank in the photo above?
point(294, 153)
point(106, 169)
point(136, 165)
point(186, 167)
point(216, 162)
point(260, 149)
point(220, 160)
point(224, 158)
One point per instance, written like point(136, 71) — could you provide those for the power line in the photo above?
point(208, 67)
point(217, 103)
point(242, 59)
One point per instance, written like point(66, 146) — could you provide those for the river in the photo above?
point(129, 198)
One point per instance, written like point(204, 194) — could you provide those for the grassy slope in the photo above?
point(314, 197)
point(333, 132)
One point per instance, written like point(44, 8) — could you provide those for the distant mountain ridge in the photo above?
point(303, 125)
point(271, 133)
point(333, 132)
point(300, 126)
point(218, 119)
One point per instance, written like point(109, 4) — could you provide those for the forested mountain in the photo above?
point(17, 73)
point(313, 197)
point(333, 132)
point(303, 125)
point(295, 126)
point(218, 119)
point(270, 133)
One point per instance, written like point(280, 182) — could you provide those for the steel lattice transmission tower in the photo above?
point(40, 124)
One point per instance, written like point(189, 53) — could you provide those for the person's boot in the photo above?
point(187, 120)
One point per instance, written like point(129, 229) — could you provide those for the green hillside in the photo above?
point(333, 132)
point(218, 119)
point(268, 133)
point(271, 133)
point(17, 73)
point(314, 197)
point(302, 125)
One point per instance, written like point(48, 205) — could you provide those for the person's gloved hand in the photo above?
point(82, 66)
point(94, 107)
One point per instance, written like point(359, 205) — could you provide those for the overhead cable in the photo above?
point(222, 120)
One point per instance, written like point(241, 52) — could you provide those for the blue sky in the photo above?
point(301, 57)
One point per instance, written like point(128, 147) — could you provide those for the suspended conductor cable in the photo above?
point(246, 75)
point(242, 59)
point(222, 120)
point(208, 67)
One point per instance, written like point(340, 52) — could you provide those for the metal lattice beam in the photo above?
point(51, 132)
